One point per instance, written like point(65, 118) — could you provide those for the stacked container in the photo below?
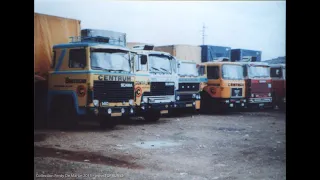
point(239, 54)
point(212, 53)
point(185, 52)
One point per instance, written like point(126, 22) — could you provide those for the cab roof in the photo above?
point(90, 44)
point(254, 63)
point(147, 52)
point(277, 65)
point(219, 63)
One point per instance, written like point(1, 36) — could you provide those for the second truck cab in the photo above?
point(278, 75)
point(160, 68)
point(225, 87)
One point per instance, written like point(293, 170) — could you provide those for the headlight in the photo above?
point(269, 85)
point(244, 100)
point(252, 95)
point(131, 101)
point(96, 102)
point(194, 95)
point(145, 99)
point(198, 96)
point(131, 111)
point(122, 110)
point(178, 98)
point(269, 94)
point(227, 101)
point(109, 111)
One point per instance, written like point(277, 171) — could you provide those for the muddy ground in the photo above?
point(244, 145)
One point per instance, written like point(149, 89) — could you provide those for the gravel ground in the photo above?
point(246, 145)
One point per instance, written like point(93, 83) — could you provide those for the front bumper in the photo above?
point(233, 102)
point(149, 107)
point(195, 104)
point(113, 111)
point(260, 100)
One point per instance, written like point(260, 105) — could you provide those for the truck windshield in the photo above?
point(159, 63)
point(258, 72)
point(232, 72)
point(188, 69)
point(110, 59)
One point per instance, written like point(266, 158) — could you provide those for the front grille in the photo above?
point(186, 97)
point(113, 91)
point(161, 89)
point(236, 92)
point(260, 87)
point(188, 87)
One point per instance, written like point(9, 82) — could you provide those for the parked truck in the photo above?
point(190, 78)
point(160, 70)
point(258, 84)
point(278, 75)
point(225, 87)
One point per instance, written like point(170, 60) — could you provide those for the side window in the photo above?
point(77, 58)
point(143, 65)
point(53, 62)
point(201, 70)
point(276, 72)
point(213, 72)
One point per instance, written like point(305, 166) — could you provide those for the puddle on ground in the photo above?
point(84, 156)
point(155, 144)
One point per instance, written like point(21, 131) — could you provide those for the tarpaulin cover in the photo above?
point(183, 52)
point(48, 31)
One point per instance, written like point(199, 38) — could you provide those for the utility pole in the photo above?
point(203, 33)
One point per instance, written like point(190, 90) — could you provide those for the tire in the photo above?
point(63, 113)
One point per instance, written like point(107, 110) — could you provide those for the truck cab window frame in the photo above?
point(213, 72)
point(53, 63)
point(276, 72)
point(77, 58)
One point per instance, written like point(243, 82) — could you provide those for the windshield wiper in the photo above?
point(165, 70)
point(157, 70)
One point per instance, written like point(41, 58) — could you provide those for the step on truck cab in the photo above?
point(225, 87)
point(160, 68)
point(278, 76)
point(258, 84)
point(188, 92)
point(91, 78)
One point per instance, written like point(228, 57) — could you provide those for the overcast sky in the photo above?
point(256, 25)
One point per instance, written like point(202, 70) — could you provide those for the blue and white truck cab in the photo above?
point(160, 68)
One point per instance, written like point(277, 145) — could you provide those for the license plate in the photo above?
point(261, 105)
point(104, 103)
point(116, 114)
point(164, 112)
point(188, 105)
point(237, 101)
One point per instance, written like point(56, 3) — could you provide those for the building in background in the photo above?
point(183, 52)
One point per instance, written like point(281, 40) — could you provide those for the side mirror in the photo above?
point(143, 59)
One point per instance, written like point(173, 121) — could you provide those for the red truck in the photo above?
point(278, 75)
point(258, 84)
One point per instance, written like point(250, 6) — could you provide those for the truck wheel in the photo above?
point(107, 123)
point(63, 113)
point(152, 116)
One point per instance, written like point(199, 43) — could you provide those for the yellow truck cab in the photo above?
point(225, 87)
point(188, 92)
point(158, 96)
point(90, 77)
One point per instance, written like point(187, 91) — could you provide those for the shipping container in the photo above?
point(50, 30)
point(212, 53)
point(116, 38)
point(185, 52)
point(239, 54)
